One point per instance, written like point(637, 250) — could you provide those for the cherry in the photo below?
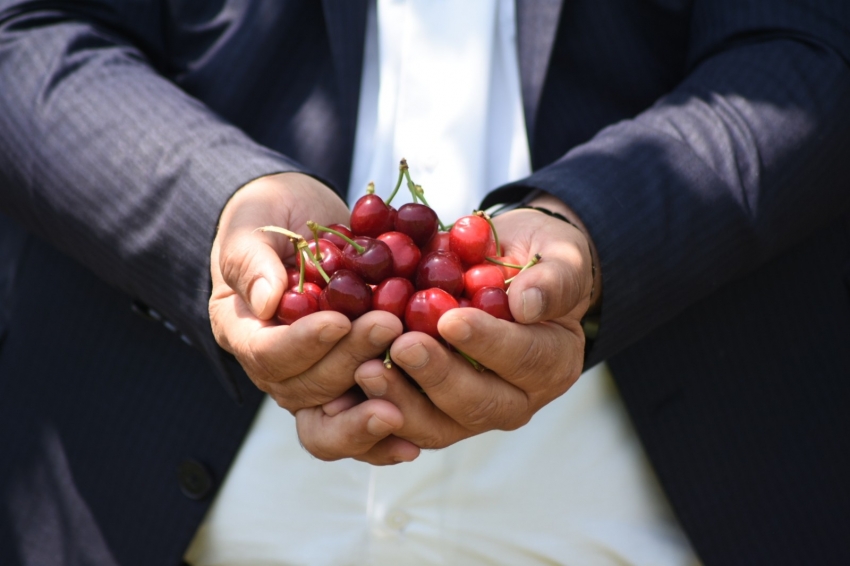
point(347, 293)
point(425, 309)
point(332, 261)
point(417, 221)
point(336, 240)
point(463, 302)
point(510, 267)
point(293, 275)
point(371, 216)
point(493, 301)
point(440, 241)
point(405, 254)
point(482, 275)
point(312, 289)
point(392, 296)
point(371, 259)
point(295, 305)
point(442, 270)
point(470, 239)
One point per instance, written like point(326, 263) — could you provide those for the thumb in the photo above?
point(252, 268)
point(549, 290)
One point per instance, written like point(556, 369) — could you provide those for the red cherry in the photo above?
point(470, 238)
point(463, 302)
point(293, 275)
point(295, 305)
point(440, 242)
point(493, 301)
point(442, 270)
point(405, 254)
point(336, 240)
point(347, 293)
point(425, 309)
point(417, 221)
point(332, 261)
point(482, 275)
point(311, 288)
point(371, 216)
point(374, 263)
point(392, 296)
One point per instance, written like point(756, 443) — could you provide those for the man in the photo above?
point(744, 142)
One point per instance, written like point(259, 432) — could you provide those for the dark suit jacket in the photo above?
point(705, 143)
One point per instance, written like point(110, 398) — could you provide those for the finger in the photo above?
point(550, 289)
point(478, 401)
point(541, 359)
point(425, 425)
point(354, 432)
point(350, 398)
point(330, 376)
point(271, 352)
point(250, 264)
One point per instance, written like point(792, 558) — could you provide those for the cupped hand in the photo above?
point(528, 363)
point(312, 361)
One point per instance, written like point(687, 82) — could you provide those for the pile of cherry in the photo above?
point(403, 261)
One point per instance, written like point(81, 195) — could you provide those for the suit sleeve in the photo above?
point(745, 158)
point(112, 163)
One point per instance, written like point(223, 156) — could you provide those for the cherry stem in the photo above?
point(402, 167)
point(388, 363)
point(302, 245)
point(319, 251)
point(476, 365)
point(533, 261)
point(360, 249)
point(417, 192)
point(370, 188)
point(503, 263)
point(489, 220)
point(301, 271)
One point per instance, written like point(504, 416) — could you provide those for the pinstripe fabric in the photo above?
point(704, 143)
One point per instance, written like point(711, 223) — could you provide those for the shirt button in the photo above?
point(195, 479)
point(397, 519)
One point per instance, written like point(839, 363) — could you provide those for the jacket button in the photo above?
point(195, 479)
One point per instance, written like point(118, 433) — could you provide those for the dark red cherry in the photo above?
point(405, 254)
point(440, 242)
point(442, 270)
point(482, 275)
point(331, 261)
point(295, 305)
point(374, 263)
point(417, 221)
point(463, 302)
point(348, 294)
point(371, 216)
point(470, 238)
point(392, 296)
point(311, 288)
point(493, 301)
point(425, 309)
point(336, 240)
point(293, 275)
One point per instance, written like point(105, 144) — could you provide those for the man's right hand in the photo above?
point(312, 361)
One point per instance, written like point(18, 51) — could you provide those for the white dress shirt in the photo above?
point(441, 88)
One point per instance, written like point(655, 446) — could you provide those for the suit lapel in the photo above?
point(537, 23)
point(346, 23)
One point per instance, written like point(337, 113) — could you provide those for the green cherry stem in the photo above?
point(503, 263)
point(318, 250)
point(402, 167)
point(417, 192)
point(302, 245)
point(533, 261)
point(360, 249)
point(478, 367)
point(301, 270)
point(388, 362)
point(489, 220)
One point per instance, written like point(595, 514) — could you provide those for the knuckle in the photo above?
point(485, 414)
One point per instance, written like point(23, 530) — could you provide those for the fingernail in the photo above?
point(373, 385)
point(331, 333)
point(457, 330)
point(377, 427)
point(532, 304)
point(415, 356)
point(381, 335)
point(261, 290)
